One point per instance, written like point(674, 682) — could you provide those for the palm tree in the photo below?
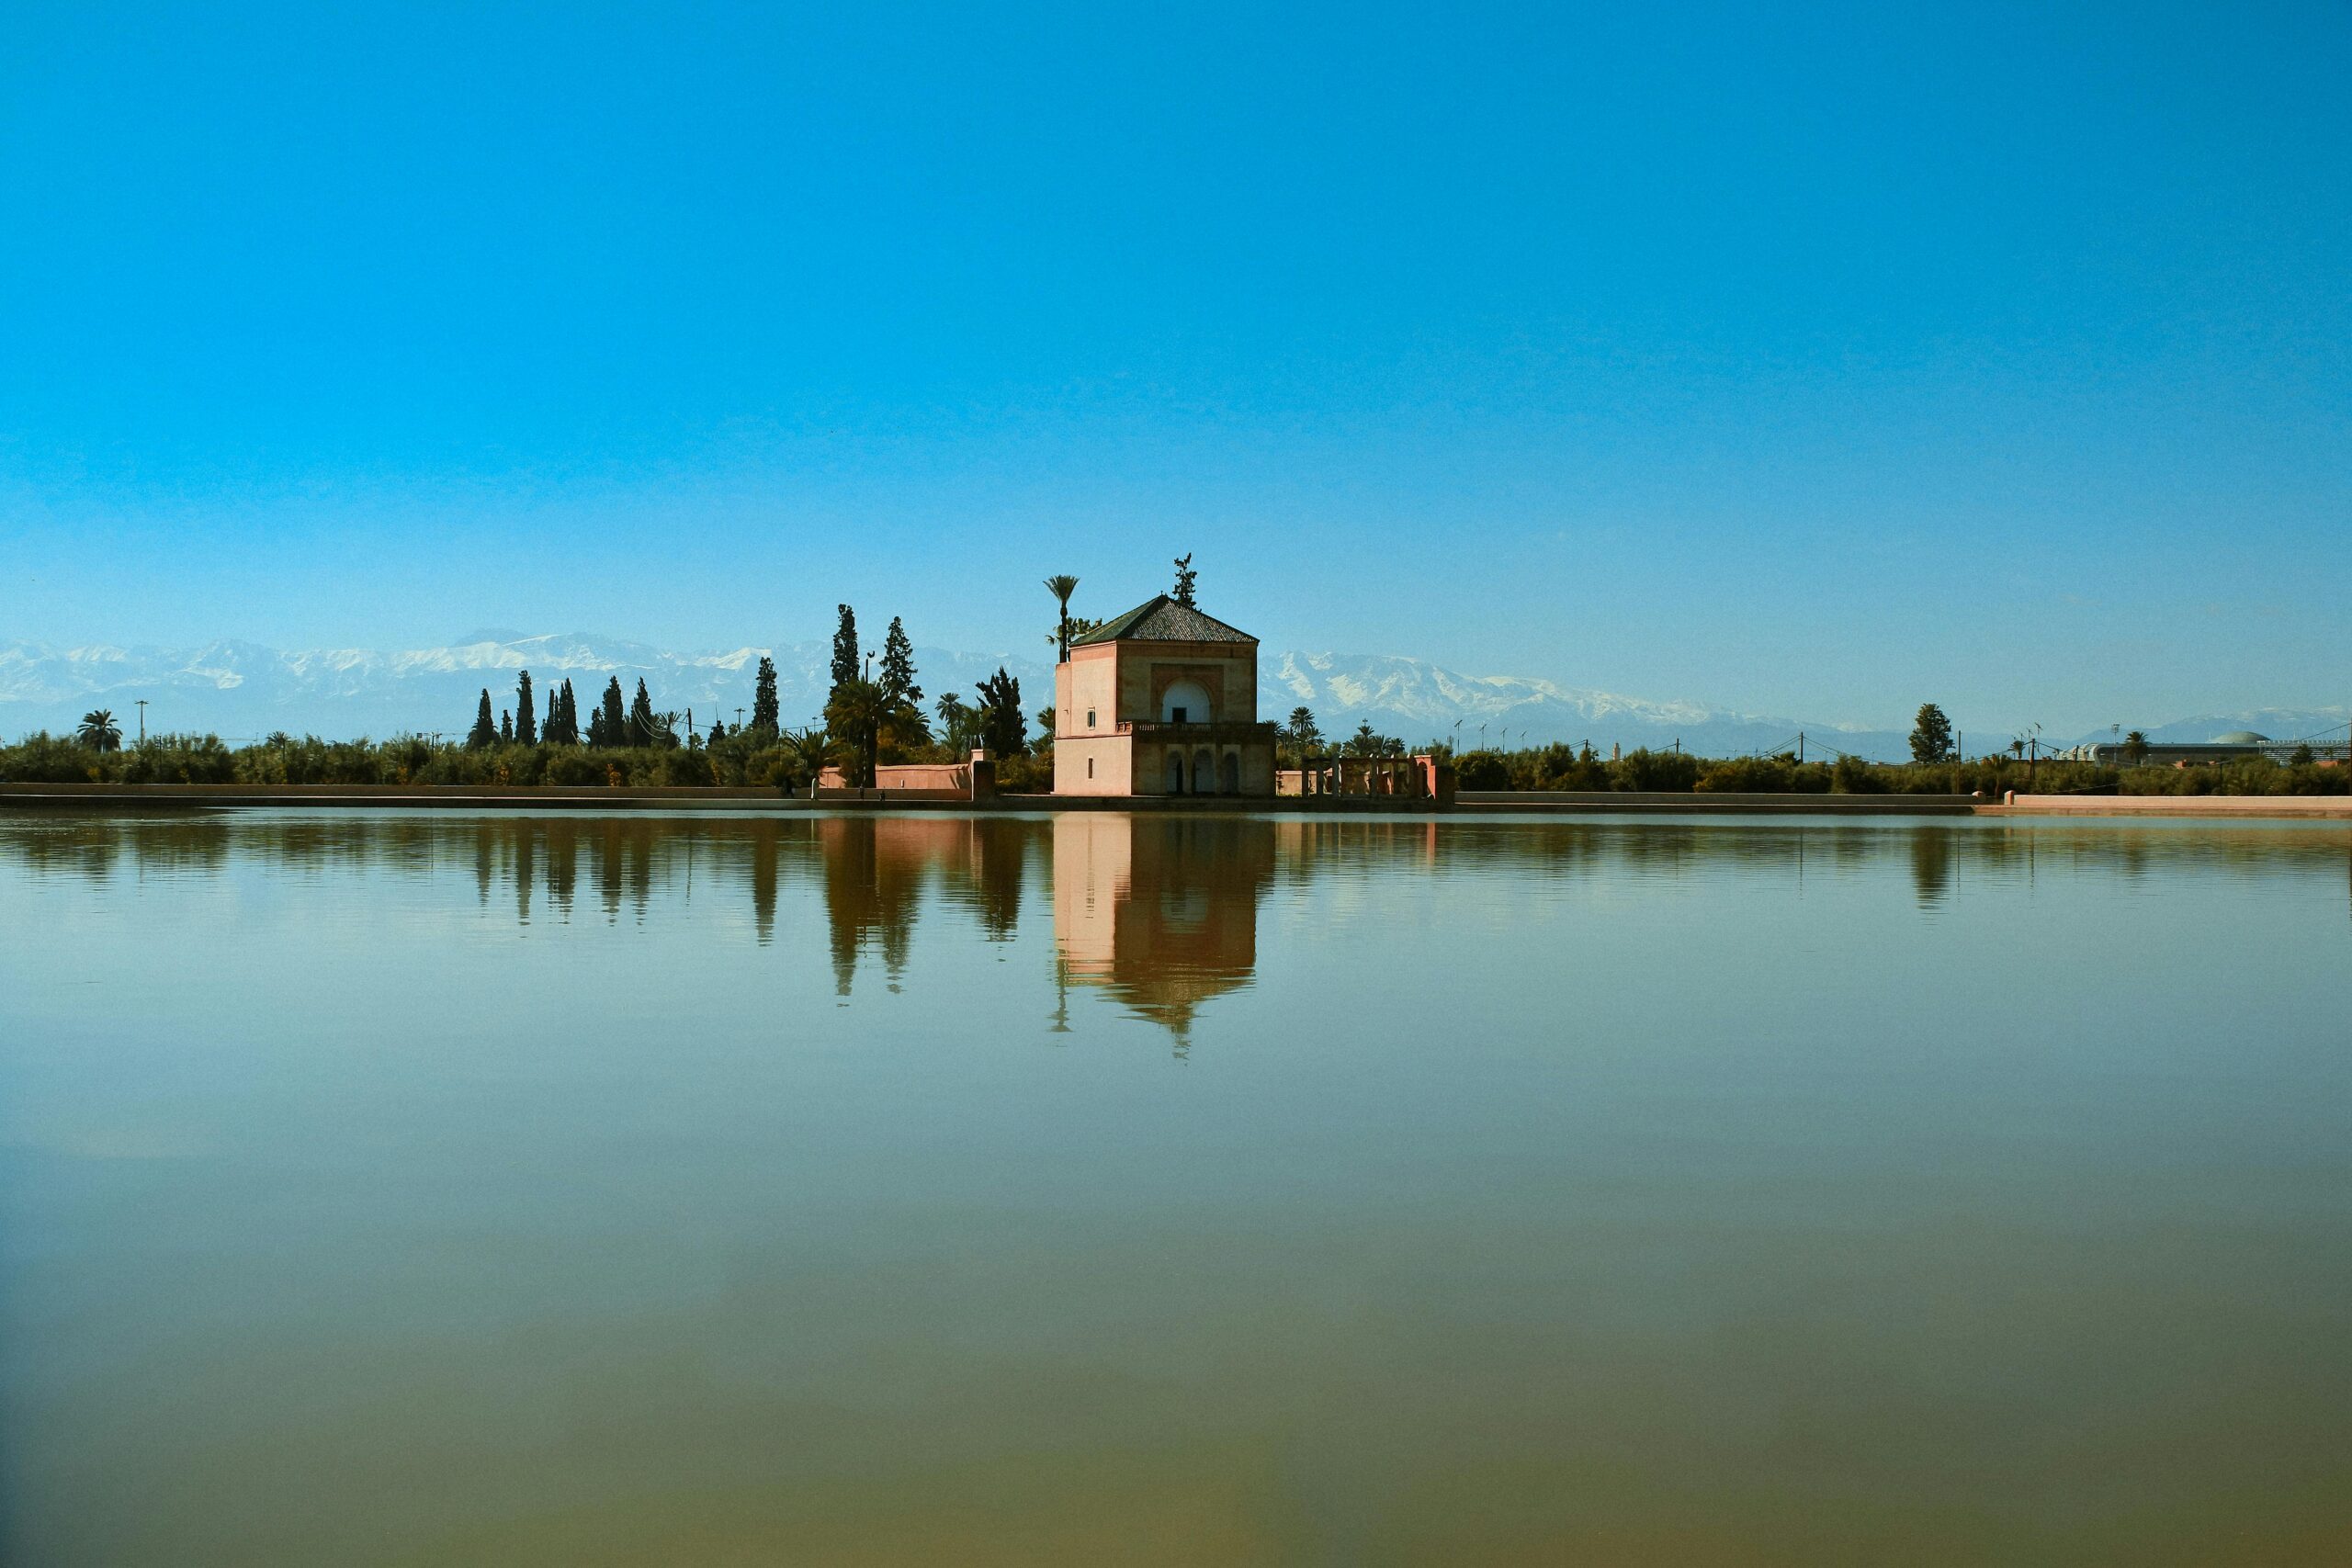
point(99, 732)
point(954, 722)
point(1061, 585)
point(811, 751)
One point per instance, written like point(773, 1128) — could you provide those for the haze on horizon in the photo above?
point(1821, 363)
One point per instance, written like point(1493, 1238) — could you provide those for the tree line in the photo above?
point(738, 760)
point(872, 716)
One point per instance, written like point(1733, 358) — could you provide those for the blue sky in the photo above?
point(1802, 360)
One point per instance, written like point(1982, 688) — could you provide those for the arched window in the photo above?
point(1184, 702)
point(1228, 774)
point(1175, 772)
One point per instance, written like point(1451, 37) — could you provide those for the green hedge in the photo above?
point(182, 759)
point(752, 761)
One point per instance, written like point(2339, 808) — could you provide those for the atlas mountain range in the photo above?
point(243, 691)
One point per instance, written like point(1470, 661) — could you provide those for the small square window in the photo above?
point(1176, 715)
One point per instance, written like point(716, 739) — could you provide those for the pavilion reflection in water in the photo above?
point(1161, 912)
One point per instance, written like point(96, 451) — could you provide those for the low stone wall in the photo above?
point(551, 796)
point(598, 798)
point(2320, 807)
point(1558, 802)
point(886, 792)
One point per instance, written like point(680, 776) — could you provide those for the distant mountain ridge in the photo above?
point(243, 689)
point(1419, 701)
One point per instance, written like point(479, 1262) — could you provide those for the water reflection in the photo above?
point(428, 1188)
point(1932, 866)
point(1160, 911)
point(1132, 896)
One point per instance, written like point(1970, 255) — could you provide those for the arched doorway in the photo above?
point(1175, 772)
point(1185, 702)
point(1204, 772)
point(1228, 774)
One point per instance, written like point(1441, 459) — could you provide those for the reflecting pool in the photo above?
point(410, 1189)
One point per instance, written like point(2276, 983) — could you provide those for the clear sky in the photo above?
point(1802, 360)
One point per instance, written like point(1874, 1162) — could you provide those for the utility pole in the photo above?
point(143, 721)
point(1800, 747)
point(738, 719)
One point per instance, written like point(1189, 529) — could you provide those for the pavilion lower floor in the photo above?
point(1168, 760)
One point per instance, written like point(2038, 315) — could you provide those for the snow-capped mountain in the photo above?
point(1421, 702)
point(242, 691)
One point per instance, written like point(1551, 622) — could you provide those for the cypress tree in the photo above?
point(568, 707)
point(899, 666)
point(485, 729)
point(526, 726)
point(608, 728)
point(766, 715)
point(641, 723)
point(505, 728)
point(845, 660)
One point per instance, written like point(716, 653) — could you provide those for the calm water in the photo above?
point(411, 1189)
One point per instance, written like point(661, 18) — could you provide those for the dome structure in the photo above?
point(2241, 737)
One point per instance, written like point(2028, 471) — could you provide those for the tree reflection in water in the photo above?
point(1158, 911)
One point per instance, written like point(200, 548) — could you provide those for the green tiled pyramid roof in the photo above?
point(1162, 620)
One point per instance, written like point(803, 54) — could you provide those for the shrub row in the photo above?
point(752, 761)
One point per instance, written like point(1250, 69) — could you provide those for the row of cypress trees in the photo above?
point(887, 708)
point(609, 725)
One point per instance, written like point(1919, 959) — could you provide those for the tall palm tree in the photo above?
point(99, 732)
point(1061, 586)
